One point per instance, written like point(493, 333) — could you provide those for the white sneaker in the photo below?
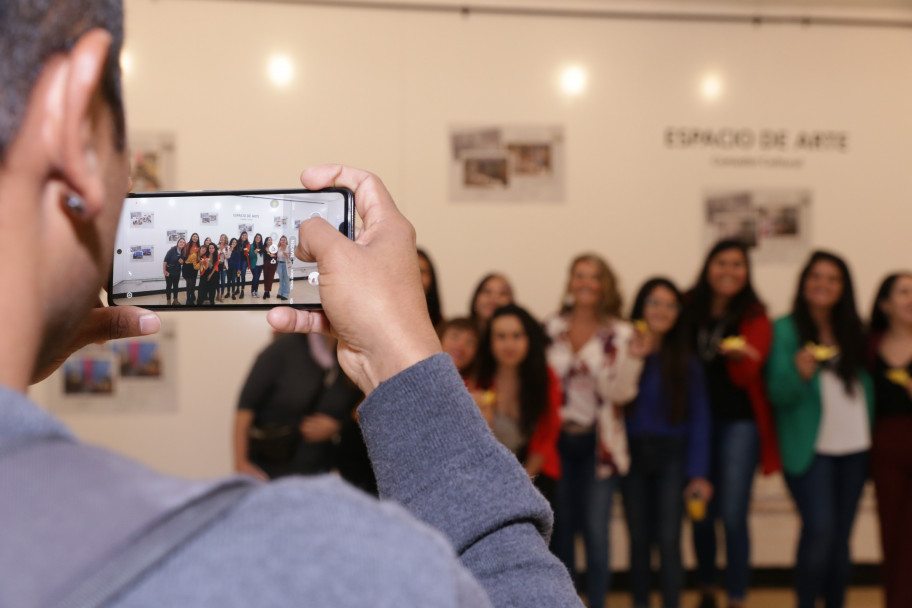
point(256, 295)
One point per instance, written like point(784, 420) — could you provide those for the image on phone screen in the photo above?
point(163, 258)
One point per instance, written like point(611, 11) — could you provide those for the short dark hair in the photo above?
point(31, 31)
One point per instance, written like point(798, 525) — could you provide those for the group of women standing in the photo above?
point(221, 268)
point(681, 406)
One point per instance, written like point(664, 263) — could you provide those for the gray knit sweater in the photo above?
point(460, 523)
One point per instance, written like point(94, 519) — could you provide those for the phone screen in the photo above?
point(162, 258)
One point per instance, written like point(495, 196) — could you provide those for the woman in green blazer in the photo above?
point(823, 400)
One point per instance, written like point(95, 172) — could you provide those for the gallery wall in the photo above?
point(381, 90)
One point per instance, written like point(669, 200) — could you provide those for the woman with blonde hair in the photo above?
point(598, 358)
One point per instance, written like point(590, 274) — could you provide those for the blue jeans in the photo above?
point(827, 497)
point(653, 506)
point(242, 268)
point(257, 271)
point(223, 278)
point(734, 459)
point(583, 504)
point(284, 287)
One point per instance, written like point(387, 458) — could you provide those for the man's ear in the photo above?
point(79, 164)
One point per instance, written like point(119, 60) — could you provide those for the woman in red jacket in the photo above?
point(732, 335)
point(519, 395)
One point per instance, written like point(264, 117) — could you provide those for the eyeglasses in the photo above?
point(655, 303)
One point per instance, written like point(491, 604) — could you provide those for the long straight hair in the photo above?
point(699, 299)
point(533, 371)
point(433, 293)
point(844, 319)
point(879, 321)
point(674, 353)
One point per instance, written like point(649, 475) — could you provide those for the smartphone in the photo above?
point(162, 261)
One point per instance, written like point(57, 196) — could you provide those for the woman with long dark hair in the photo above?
point(519, 394)
point(269, 267)
point(209, 274)
point(598, 358)
point(243, 261)
point(824, 401)
point(257, 257)
point(732, 335)
point(492, 292)
point(234, 261)
point(191, 266)
point(890, 362)
point(668, 430)
point(429, 283)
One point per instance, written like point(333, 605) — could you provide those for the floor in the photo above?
point(858, 597)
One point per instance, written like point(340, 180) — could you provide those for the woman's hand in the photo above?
point(248, 468)
point(806, 363)
point(699, 488)
point(739, 352)
point(641, 344)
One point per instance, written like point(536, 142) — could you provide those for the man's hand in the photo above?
point(373, 302)
point(102, 324)
point(319, 427)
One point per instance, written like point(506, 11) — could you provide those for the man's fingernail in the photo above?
point(149, 324)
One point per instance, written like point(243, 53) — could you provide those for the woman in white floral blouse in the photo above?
point(598, 357)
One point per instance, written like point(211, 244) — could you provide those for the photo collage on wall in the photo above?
point(124, 375)
point(507, 163)
point(775, 224)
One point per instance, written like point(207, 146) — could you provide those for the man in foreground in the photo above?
point(468, 529)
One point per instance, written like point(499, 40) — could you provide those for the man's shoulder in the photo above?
point(314, 541)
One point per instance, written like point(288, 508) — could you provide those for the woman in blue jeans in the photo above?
point(598, 358)
point(732, 336)
point(668, 431)
point(824, 403)
point(283, 259)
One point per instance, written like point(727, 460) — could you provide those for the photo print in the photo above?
point(508, 163)
point(175, 235)
point(208, 219)
point(141, 253)
point(280, 222)
point(775, 224)
point(91, 374)
point(248, 228)
point(138, 359)
point(152, 161)
point(142, 219)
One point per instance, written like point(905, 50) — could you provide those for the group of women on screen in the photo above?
point(681, 406)
point(216, 271)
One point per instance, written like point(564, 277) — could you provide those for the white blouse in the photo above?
point(844, 427)
point(598, 380)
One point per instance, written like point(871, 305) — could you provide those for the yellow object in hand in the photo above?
point(733, 343)
point(821, 352)
point(899, 376)
point(641, 326)
point(696, 508)
point(488, 398)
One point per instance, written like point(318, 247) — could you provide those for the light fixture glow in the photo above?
point(573, 80)
point(711, 87)
point(281, 70)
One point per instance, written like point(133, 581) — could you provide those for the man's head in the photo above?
point(62, 139)
point(31, 31)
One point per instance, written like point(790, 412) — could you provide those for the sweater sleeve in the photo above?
point(433, 453)
point(785, 386)
point(758, 332)
point(699, 421)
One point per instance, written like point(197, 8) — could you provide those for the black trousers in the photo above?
point(171, 281)
point(190, 277)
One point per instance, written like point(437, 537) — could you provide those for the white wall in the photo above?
point(379, 90)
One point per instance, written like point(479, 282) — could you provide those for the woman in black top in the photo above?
point(891, 450)
point(172, 269)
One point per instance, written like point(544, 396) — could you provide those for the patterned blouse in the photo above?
point(598, 380)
